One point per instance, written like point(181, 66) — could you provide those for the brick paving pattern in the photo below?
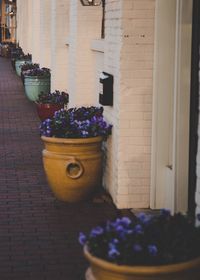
point(38, 234)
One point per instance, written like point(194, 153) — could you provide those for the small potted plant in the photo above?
point(49, 103)
point(20, 60)
point(37, 80)
point(28, 66)
point(72, 156)
point(15, 53)
point(146, 247)
point(5, 49)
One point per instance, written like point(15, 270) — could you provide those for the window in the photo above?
point(8, 21)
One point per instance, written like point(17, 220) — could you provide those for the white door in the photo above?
point(171, 102)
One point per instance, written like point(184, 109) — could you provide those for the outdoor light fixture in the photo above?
point(97, 3)
point(11, 2)
point(11, 13)
point(91, 2)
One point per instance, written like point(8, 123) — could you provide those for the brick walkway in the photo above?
point(38, 235)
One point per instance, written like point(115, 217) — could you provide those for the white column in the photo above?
point(45, 33)
point(25, 25)
point(85, 25)
point(59, 50)
point(29, 26)
point(36, 30)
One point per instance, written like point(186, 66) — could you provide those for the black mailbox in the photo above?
point(106, 96)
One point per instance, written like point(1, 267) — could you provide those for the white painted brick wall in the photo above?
point(18, 21)
point(22, 32)
point(128, 55)
point(24, 25)
point(45, 33)
point(33, 29)
point(112, 47)
point(59, 50)
point(29, 18)
point(36, 27)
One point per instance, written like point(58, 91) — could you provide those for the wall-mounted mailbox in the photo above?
point(106, 95)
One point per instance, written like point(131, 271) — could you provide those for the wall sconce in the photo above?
point(11, 2)
point(97, 3)
point(12, 13)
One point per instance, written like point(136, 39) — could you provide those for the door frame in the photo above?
point(173, 192)
point(194, 106)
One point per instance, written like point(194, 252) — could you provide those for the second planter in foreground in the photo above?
point(73, 166)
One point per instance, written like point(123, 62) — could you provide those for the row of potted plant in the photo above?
point(73, 138)
point(34, 78)
point(37, 88)
point(36, 81)
point(160, 247)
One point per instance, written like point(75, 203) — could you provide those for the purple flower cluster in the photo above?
point(28, 66)
point(56, 97)
point(23, 56)
point(80, 122)
point(144, 239)
point(41, 72)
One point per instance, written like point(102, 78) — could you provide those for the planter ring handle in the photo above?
point(74, 169)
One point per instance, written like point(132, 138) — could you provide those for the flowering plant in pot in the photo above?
point(20, 60)
point(72, 156)
point(157, 247)
point(37, 72)
point(36, 80)
point(83, 122)
point(24, 57)
point(49, 103)
point(5, 49)
point(28, 66)
point(15, 53)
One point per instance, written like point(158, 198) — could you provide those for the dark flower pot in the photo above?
point(46, 111)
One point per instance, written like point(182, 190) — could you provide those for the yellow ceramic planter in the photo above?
point(73, 166)
point(103, 270)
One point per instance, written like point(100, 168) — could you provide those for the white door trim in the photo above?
point(172, 158)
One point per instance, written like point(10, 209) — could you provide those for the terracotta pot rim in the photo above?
point(141, 270)
point(72, 140)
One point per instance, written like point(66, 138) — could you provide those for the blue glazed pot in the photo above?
point(18, 64)
point(34, 85)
